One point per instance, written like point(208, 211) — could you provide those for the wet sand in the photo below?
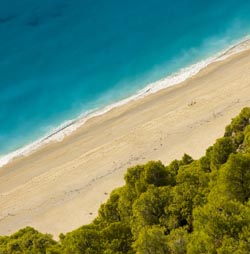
point(61, 186)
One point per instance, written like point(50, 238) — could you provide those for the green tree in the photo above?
point(190, 206)
point(118, 238)
point(246, 142)
point(239, 122)
point(151, 240)
point(190, 191)
point(109, 212)
point(221, 151)
point(155, 173)
point(85, 240)
point(26, 240)
point(149, 208)
point(214, 224)
point(235, 177)
point(177, 241)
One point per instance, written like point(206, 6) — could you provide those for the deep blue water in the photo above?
point(61, 58)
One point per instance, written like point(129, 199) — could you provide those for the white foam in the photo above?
point(70, 126)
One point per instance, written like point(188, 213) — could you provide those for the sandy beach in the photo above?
point(61, 186)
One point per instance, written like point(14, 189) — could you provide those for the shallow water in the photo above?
point(59, 59)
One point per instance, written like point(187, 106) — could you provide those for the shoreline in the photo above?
point(70, 126)
point(66, 182)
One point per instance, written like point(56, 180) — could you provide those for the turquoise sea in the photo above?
point(63, 58)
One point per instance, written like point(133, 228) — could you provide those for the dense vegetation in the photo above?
point(190, 206)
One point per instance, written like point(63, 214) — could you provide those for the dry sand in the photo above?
point(61, 186)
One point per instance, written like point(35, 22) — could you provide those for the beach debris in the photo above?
point(192, 103)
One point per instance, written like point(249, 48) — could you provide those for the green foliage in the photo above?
point(27, 240)
point(173, 167)
point(239, 122)
point(148, 210)
point(186, 159)
point(246, 142)
point(190, 191)
point(177, 241)
point(190, 206)
point(215, 224)
point(133, 179)
point(86, 239)
point(118, 238)
point(235, 177)
point(221, 151)
point(109, 212)
point(151, 240)
point(155, 173)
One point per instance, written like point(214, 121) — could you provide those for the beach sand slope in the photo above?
point(61, 186)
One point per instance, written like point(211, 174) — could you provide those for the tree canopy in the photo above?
point(189, 206)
